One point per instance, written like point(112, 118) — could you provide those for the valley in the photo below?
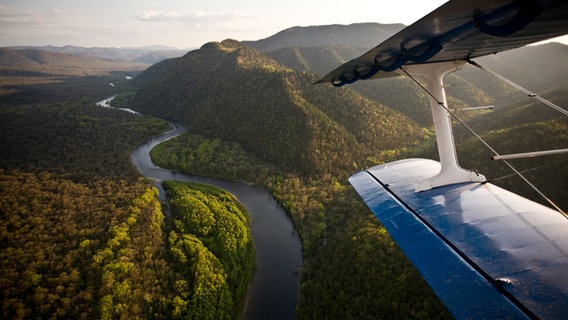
point(253, 115)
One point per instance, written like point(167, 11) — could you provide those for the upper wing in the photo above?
point(459, 30)
point(486, 252)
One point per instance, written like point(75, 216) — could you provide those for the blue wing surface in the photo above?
point(459, 30)
point(486, 252)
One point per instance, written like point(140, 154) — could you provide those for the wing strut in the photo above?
point(450, 171)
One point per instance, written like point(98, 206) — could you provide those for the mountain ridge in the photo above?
point(361, 35)
point(272, 110)
point(146, 54)
point(53, 63)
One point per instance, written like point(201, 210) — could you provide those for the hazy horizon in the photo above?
point(181, 24)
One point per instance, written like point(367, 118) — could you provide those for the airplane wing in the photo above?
point(459, 30)
point(486, 252)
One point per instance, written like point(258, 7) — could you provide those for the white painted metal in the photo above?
point(529, 154)
point(450, 172)
point(477, 108)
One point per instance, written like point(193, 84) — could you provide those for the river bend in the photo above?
point(274, 287)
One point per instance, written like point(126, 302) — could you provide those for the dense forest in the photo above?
point(211, 243)
point(83, 236)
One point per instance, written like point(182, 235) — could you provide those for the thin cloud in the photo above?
point(218, 20)
point(22, 18)
point(32, 18)
point(159, 16)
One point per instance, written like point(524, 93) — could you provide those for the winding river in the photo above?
point(274, 287)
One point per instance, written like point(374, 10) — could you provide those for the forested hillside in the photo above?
point(320, 49)
point(231, 92)
point(522, 127)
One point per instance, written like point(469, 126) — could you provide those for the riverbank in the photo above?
point(274, 287)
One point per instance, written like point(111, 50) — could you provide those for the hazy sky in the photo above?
point(184, 23)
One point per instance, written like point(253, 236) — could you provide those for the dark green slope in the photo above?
point(232, 92)
point(548, 173)
point(314, 59)
point(524, 112)
point(539, 68)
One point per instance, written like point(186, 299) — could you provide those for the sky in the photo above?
point(184, 23)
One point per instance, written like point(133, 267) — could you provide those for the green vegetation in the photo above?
point(301, 142)
point(467, 87)
point(194, 154)
point(211, 245)
point(77, 224)
point(72, 250)
point(76, 140)
point(122, 100)
point(273, 112)
point(352, 269)
point(102, 250)
point(549, 173)
point(83, 237)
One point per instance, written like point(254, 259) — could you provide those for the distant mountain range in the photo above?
point(357, 35)
point(146, 55)
point(33, 62)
